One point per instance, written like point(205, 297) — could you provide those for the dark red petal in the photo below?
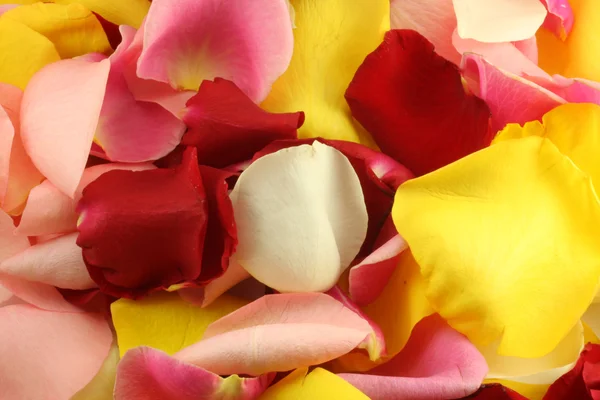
point(111, 30)
point(142, 231)
point(495, 392)
point(583, 381)
point(379, 176)
point(413, 103)
point(221, 233)
point(227, 127)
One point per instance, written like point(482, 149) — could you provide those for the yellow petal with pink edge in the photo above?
point(73, 29)
point(319, 384)
point(166, 322)
point(496, 235)
point(331, 40)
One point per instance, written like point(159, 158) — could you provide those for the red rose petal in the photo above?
point(226, 127)
point(142, 231)
point(583, 381)
point(413, 103)
point(495, 392)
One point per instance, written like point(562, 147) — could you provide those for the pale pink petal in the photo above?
point(368, 278)
point(511, 99)
point(59, 115)
point(374, 344)
point(434, 19)
point(249, 42)
point(560, 17)
point(37, 294)
point(50, 211)
point(146, 89)
point(131, 130)
point(529, 48)
point(436, 363)
point(5, 7)
point(7, 133)
point(206, 295)
point(500, 20)
point(57, 262)
point(49, 355)
point(503, 55)
point(10, 244)
point(149, 374)
point(278, 333)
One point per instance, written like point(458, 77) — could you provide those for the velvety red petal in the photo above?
point(226, 127)
point(144, 230)
point(582, 382)
point(495, 392)
point(413, 103)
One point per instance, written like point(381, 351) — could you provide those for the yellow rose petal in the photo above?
point(166, 322)
point(24, 52)
point(119, 12)
point(320, 384)
point(331, 40)
point(73, 29)
point(573, 128)
point(102, 385)
point(507, 242)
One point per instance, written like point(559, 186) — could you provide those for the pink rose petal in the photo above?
point(278, 333)
point(49, 211)
point(248, 42)
point(572, 90)
point(560, 17)
point(131, 130)
point(37, 294)
point(59, 115)
point(511, 99)
point(149, 374)
point(436, 363)
point(57, 262)
point(49, 355)
point(10, 244)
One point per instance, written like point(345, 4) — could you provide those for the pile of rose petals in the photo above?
point(299, 199)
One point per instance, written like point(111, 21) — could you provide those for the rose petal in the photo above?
point(227, 128)
point(278, 333)
point(339, 34)
point(319, 384)
point(10, 244)
point(166, 322)
point(73, 29)
point(433, 19)
point(521, 206)
point(49, 211)
point(496, 392)
point(57, 262)
point(249, 43)
point(130, 130)
point(511, 99)
point(505, 21)
point(318, 191)
point(49, 354)
point(560, 17)
point(101, 387)
point(582, 381)
point(437, 362)
point(59, 114)
point(439, 122)
point(40, 295)
point(130, 12)
point(149, 374)
point(133, 236)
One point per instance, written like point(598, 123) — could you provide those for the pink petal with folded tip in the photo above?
point(511, 99)
point(560, 17)
point(57, 262)
point(59, 114)
point(149, 374)
point(436, 363)
point(49, 355)
point(368, 278)
point(374, 343)
point(278, 333)
point(248, 42)
point(42, 296)
point(50, 211)
point(131, 130)
point(503, 55)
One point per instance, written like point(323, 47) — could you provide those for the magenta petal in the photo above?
point(131, 130)
point(149, 374)
point(59, 114)
point(511, 99)
point(436, 363)
point(572, 90)
point(560, 17)
point(247, 41)
point(49, 355)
